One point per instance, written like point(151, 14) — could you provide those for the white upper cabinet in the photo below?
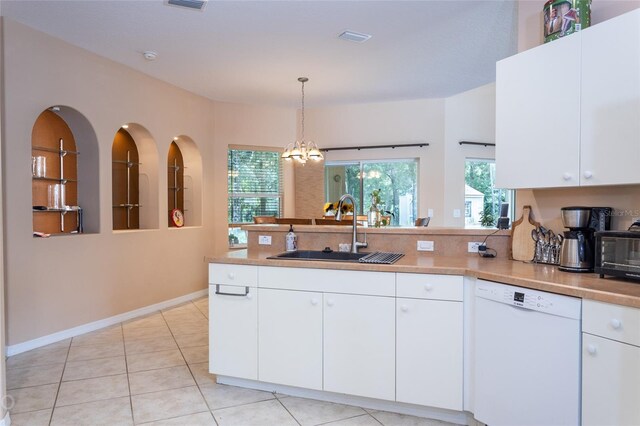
point(568, 112)
point(538, 116)
point(610, 122)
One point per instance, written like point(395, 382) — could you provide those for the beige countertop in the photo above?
point(530, 275)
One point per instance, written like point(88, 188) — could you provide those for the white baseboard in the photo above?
point(457, 417)
point(96, 325)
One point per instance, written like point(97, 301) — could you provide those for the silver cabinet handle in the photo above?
point(246, 292)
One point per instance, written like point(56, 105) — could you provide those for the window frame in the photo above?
point(279, 195)
point(512, 192)
point(361, 164)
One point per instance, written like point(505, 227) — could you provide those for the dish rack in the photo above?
point(381, 257)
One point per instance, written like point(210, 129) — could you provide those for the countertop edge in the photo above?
point(592, 290)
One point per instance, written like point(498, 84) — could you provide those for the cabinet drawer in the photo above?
point(244, 275)
point(426, 286)
point(615, 322)
point(328, 280)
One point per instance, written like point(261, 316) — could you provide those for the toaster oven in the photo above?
point(618, 254)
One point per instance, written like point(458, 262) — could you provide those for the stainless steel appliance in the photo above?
point(577, 252)
point(618, 254)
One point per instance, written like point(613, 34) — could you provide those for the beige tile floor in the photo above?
point(154, 370)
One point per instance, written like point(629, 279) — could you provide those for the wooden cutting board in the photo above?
point(522, 245)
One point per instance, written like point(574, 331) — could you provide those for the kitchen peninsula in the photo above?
point(394, 337)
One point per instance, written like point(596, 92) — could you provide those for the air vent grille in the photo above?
point(189, 4)
point(354, 36)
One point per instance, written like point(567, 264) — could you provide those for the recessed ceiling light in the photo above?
point(150, 55)
point(354, 36)
point(189, 4)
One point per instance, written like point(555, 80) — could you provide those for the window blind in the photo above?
point(255, 187)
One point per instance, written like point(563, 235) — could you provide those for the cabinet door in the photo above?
point(610, 382)
point(290, 338)
point(538, 116)
point(611, 102)
point(233, 331)
point(429, 353)
point(359, 345)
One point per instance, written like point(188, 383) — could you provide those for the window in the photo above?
point(254, 179)
point(396, 179)
point(482, 199)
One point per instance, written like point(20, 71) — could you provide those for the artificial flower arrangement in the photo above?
point(330, 208)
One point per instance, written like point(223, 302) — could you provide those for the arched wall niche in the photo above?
point(147, 175)
point(79, 155)
point(192, 180)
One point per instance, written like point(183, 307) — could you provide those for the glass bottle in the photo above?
point(373, 218)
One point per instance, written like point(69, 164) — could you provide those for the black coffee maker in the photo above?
point(577, 252)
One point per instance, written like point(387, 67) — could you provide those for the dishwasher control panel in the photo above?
point(526, 298)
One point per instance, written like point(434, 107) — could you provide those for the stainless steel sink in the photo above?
point(378, 257)
point(331, 256)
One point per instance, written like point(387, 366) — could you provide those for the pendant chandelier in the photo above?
point(302, 150)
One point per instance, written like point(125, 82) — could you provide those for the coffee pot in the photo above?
point(577, 252)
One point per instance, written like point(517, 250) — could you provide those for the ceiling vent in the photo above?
point(354, 36)
point(189, 4)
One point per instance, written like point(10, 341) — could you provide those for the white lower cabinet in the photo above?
point(359, 345)
point(610, 382)
point(233, 334)
point(429, 353)
point(610, 364)
point(290, 338)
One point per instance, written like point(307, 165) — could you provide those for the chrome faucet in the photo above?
point(355, 244)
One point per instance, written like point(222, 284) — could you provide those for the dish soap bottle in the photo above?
point(291, 240)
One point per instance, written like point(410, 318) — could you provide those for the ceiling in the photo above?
point(254, 51)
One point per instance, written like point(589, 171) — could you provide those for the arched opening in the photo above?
point(65, 190)
point(125, 188)
point(184, 181)
point(134, 179)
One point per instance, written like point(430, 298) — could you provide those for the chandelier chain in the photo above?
point(303, 111)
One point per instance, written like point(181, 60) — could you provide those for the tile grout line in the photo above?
point(347, 418)
point(55, 401)
point(189, 367)
point(287, 410)
point(126, 369)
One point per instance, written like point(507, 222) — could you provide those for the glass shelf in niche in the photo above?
point(56, 150)
point(66, 209)
point(51, 179)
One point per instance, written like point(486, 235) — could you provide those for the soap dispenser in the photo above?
point(291, 240)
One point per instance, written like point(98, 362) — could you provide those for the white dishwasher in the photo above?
point(527, 356)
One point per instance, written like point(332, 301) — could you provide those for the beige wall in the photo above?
point(61, 282)
point(469, 116)
point(546, 203)
point(530, 18)
point(382, 124)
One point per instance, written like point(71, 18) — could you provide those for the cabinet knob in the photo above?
point(314, 302)
point(404, 308)
point(566, 176)
point(249, 296)
point(592, 349)
point(615, 323)
point(330, 302)
point(231, 275)
point(588, 175)
point(428, 287)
